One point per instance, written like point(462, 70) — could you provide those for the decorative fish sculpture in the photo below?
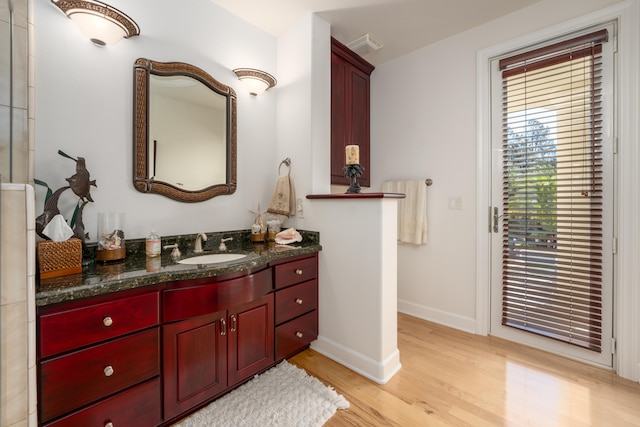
point(50, 210)
point(78, 230)
point(80, 183)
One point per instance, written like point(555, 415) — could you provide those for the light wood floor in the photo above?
point(451, 378)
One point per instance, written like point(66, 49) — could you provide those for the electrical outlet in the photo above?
point(299, 208)
point(455, 203)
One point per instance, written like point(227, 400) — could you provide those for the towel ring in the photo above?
point(286, 162)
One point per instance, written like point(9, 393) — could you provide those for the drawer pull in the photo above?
point(299, 334)
point(299, 301)
point(107, 321)
point(109, 424)
point(299, 272)
point(234, 323)
point(108, 371)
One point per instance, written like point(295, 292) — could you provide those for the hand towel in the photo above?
point(283, 200)
point(412, 210)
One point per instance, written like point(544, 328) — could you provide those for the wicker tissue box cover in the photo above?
point(59, 258)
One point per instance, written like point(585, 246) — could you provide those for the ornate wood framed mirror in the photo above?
point(184, 124)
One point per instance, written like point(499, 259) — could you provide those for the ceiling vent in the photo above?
point(364, 44)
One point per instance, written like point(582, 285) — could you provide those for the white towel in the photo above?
point(412, 210)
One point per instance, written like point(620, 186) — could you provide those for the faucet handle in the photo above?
point(175, 253)
point(222, 246)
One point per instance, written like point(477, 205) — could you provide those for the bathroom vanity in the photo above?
point(128, 346)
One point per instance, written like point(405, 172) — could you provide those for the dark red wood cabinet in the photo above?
point(250, 339)
point(215, 336)
point(350, 110)
point(149, 358)
point(207, 355)
point(195, 362)
point(296, 305)
point(88, 373)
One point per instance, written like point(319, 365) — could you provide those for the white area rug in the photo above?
point(283, 396)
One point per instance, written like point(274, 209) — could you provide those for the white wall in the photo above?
point(84, 108)
point(304, 108)
point(358, 285)
point(424, 126)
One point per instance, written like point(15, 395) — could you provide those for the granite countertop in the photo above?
point(138, 270)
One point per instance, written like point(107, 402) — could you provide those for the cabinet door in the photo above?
point(359, 131)
point(195, 361)
point(251, 349)
point(339, 119)
point(350, 112)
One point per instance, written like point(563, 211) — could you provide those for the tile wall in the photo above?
point(17, 306)
point(18, 397)
point(16, 148)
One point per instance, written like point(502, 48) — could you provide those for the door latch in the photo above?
point(496, 217)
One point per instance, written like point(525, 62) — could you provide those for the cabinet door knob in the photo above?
point(299, 272)
point(109, 424)
point(299, 334)
point(107, 321)
point(299, 301)
point(108, 371)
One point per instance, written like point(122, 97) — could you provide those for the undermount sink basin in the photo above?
point(211, 258)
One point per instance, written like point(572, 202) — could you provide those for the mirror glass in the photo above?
point(185, 132)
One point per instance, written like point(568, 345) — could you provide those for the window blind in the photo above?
point(552, 235)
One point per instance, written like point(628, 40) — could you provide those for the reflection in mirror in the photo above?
point(186, 117)
point(185, 132)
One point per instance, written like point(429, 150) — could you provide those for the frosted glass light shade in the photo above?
point(101, 23)
point(255, 81)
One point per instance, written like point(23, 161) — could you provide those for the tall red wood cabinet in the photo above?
point(350, 77)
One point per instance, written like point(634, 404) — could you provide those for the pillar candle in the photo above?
point(353, 154)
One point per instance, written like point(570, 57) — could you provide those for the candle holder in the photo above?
point(353, 171)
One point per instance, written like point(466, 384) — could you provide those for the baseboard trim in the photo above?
point(378, 371)
point(466, 324)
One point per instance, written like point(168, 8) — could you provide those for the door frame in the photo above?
point(626, 361)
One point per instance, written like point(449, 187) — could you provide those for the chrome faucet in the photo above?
point(201, 237)
point(175, 253)
point(222, 246)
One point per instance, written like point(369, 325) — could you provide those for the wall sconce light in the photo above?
point(255, 80)
point(101, 23)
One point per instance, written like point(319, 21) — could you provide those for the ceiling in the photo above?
point(400, 25)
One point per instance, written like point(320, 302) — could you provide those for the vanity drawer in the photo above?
point(296, 300)
point(139, 406)
point(85, 376)
point(295, 272)
point(65, 330)
point(186, 303)
point(295, 335)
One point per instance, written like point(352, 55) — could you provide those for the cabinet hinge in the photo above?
point(613, 345)
point(614, 245)
point(615, 145)
point(615, 45)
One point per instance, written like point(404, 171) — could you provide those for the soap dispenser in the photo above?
point(153, 246)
